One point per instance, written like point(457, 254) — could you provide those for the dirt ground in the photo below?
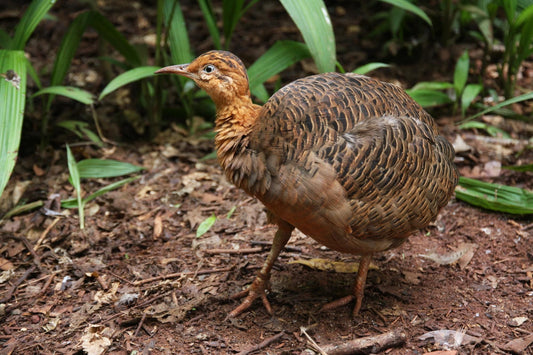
point(138, 280)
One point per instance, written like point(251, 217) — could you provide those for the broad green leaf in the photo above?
point(126, 78)
point(460, 75)
point(180, 49)
point(407, 6)
point(313, 21)
point(527, 167)
point(469, 94)
point(362, 70)
point(210, 21)
point(71, 92)
point(205, 225)
point(495, 197)
point(432, 85)
point(13, 96)
point(29, 21)
point(108, 31)
point(429, 98)
point(276, 59)
point(75, 181)
point(520, 98)
point(99, 168)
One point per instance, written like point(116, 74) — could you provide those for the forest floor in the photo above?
point(137, 279)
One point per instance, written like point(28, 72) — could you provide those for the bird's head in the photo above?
point(221, 74)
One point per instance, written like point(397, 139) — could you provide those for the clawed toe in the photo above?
point(255, 290)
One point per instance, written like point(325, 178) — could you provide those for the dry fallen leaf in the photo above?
point(330, 265)
point(93, 341)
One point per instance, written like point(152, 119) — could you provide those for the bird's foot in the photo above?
point(255, 290)
point(342, 302)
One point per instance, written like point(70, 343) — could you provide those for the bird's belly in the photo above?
point(350, 242)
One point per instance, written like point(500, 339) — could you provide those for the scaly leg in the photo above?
point(358, 291)
point(260, 283)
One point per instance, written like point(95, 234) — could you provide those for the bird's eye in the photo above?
point(209, 68)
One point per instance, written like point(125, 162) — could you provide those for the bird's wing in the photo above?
point(341, 151)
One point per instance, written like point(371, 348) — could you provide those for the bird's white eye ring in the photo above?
point(209, 68)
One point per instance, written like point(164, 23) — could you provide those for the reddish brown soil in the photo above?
point(138, 280)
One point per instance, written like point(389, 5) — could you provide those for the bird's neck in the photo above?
point(233, 125)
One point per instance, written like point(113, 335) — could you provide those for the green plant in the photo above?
point(459, 93)
point(13, 69)
point(514, 32)
point(495, 197)
point(94, 168)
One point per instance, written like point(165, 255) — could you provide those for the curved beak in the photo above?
point(180, 69)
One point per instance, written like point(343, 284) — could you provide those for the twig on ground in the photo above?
point(263, 344)
point(371, 344)
point(139, 326)
point(235, 251)
point(45, 233)
point(17, 283)
point(29, 246)
point(269, 244)
point(179, 274)
point(313, 342)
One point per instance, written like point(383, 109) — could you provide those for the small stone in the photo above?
point(517, 321)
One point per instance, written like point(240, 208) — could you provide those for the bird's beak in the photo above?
point(180, 69)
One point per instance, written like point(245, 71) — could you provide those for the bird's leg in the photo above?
point(358, 291)
point(260, 283)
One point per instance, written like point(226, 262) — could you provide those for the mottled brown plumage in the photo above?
point(352, 162)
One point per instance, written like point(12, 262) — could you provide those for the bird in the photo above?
point(352, 162)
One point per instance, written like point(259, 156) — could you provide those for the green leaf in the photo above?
point(13, 97)
point(525, 16)
point(180, 49)
point(126, 78)
point(211, 22)
point(469, 94)
point(69, 45)
point(510, 10)
point(492, 130)
point(495, 197)
point(432, 85)
point(407, 6)
point(231, 211)
point(277, 58)
point(29, 21)
point(520, 98)
point(522, 168)
point(99, 168)
point(71, 203)
point(107, 31)
point(205, 225)
point(460, 75)
point(362, 70)
point(75, 181)
point(429, 98)
point(313, 21)
point(526, 39)
point(5, 40)
point(71, 92)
